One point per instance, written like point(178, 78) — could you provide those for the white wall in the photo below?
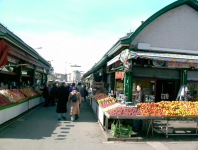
point(177, 29)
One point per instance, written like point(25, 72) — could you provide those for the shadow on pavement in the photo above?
point(43, 123)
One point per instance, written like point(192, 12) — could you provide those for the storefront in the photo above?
point(18, 63)
point(162, 56)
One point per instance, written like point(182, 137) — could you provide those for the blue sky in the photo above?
point(75, 31)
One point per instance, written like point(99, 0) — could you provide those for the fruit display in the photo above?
point(108, 100)
point(181, 108)
point(11, 94)
point(37, 90)
point(111, 107)
point(125, 110)
point(3, 92)
point(18, 92)
point(4, 100)
point(100, 96)
point(151, 109)
point(106, 104)
point(31, 91)
point(26, 94)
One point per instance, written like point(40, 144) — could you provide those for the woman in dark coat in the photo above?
point(62, 95)
point(45, 94)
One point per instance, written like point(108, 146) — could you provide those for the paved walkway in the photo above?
point(40, 130)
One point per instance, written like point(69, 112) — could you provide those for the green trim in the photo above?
point(20, 102)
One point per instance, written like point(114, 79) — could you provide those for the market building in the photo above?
point(23, 65)
point(22, 72)
point(161, 55)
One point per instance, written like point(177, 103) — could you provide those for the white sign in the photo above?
point(181, 65)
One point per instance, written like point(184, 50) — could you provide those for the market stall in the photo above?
point(14, 102)
point(108, 108)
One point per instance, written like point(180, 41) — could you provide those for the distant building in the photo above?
point(69, 77)
point(76, 76)
point(51, 76)
point(61, 77)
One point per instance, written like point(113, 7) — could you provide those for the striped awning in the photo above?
point(163, 56)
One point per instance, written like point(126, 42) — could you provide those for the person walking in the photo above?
point(138, 99)
point(81, 90)
point(73, 85)
point(62, 95)
point(85, 93)
point(45, 94)
point(74, 99)
point(53, 94)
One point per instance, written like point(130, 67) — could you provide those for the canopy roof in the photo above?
point(130, 37)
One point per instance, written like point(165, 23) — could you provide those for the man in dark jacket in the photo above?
point(62, 95)
point(140, 95)
point(53, 94)
point(45, 94)
point(138, 99)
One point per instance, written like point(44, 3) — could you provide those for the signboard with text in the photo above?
point(181, 65)
point(119, 75)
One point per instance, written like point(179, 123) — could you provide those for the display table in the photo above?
point(104, 117)
point(151, 119)
point(98, 111)
point(11, 111)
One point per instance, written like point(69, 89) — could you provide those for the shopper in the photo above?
point(45, 94)
point(62, 95)
point(53, 94)
point(138, 99)
point(85, 93)
point(75, 100)
point(73, 85)
point(81, 90)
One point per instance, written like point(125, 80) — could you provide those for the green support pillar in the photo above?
point(184, 77)
point(128, 86)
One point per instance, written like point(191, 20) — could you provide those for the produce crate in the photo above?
point(162, 129)
point(173, 117)
point(189, 118)
point(122, 131)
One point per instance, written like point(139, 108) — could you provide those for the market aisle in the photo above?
point(40, 130)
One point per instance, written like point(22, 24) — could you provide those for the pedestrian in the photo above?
point(73, 85)
point(138, 99)
point(81, 90)
point(53, 94)
point(45, 94)
point(85, 93)
point(75, 100)
point(62, 95)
